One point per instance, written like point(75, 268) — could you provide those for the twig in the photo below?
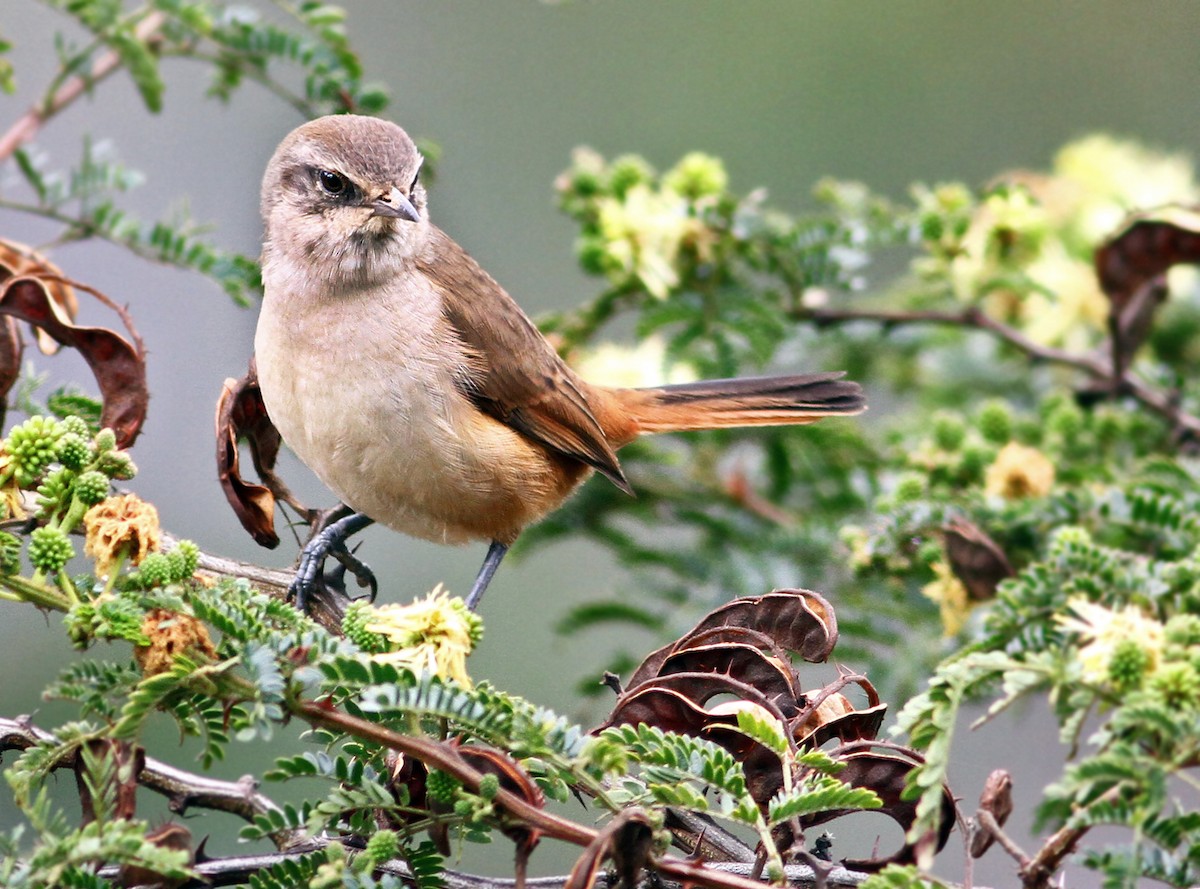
point(183, 789)
point(987, 821)
point(1166, 405)
point(27, 126)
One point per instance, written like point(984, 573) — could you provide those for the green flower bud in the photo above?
point(190, 554)
point(974, 460)
point(384, 845)
point(34, 446)
point(155, 570)
point(1178, 684)
point(489, 786)
point(49, 549)
point(910, 487)
point(594, 256)
point(358, 613)
point(626, 172)
point(52, 492)
point(464, 808)
point(1066, 422)
point(74, 425)
point(106, 440)
point(74, 451)
point(995, 421)
point(1108, 424)
point(697, 175)
point(1183, 629)
point(442, 786)
point(91, 487)
point(949, 430)
point(1127, 665)
point(117, 465)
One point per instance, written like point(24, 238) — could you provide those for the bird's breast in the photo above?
point(363, 390)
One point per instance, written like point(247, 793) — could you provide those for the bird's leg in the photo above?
point(329, 540)
point(491, 562)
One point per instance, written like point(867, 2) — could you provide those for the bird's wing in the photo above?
point(515, 376)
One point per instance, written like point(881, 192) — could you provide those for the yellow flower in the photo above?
point(644, 232)
point(1071, 311)
point(1109, 178)
point(631, 367)
point(433, 635)
point(124, 527)
point(951, 597)
point(1019, 472)
point(1102, 629)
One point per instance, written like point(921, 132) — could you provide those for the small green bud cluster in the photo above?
point(636, 226)
point(33, 445)
point(442, 787)
point(1178, 684)
point(1128, 665)
point(384, 845)
point(163, 569)
point(995, 421)
point(49, 549)
point(358, 614)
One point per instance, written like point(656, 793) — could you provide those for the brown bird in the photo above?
point(414, 386)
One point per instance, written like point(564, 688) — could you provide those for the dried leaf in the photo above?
point(118, 365)
point(796, 620)
point(975, 559)
point(242, 414)
point(885, 774)
point(18, 260)
point(1130, 265)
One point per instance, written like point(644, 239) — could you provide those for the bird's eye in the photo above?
point(331, 182)
point(416, 179)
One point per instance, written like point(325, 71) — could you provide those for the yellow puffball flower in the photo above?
point(430, 635)
point(951, 597)
point(1019, 472)
point(1102, 629)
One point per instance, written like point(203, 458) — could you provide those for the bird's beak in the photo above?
point(395, 205)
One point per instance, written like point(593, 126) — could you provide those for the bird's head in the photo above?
point(342, 197)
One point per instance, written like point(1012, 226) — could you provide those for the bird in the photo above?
point(415, 388)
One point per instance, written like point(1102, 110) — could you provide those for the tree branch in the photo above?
point(183, 789)
point(1166, 405)
point(27, 126)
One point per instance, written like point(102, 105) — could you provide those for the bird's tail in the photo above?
point(749, 401)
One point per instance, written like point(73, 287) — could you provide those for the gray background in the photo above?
point(785, 92)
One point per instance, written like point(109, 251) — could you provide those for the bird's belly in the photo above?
point(395, 440)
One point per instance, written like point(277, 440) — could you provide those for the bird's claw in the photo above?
point(330, 541)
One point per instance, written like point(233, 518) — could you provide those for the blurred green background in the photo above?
point(785, 92)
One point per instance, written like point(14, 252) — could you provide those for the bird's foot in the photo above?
point(331, 541)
